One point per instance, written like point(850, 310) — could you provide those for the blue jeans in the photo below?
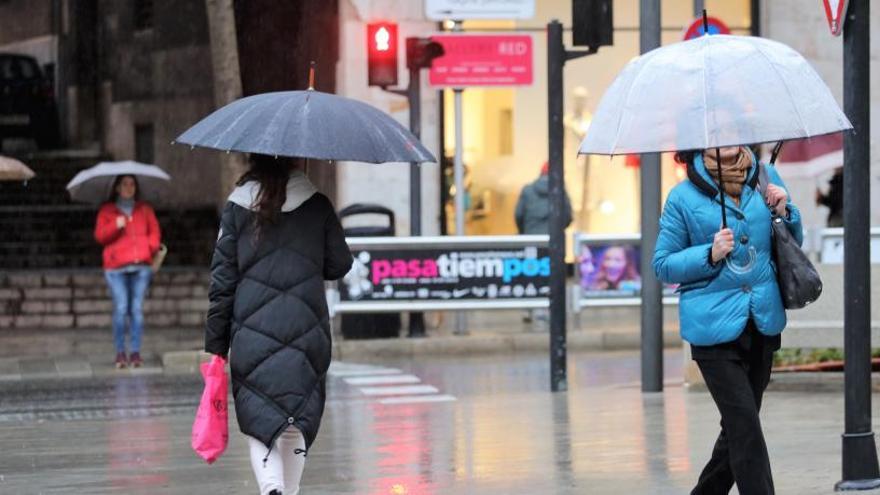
point(128, 288)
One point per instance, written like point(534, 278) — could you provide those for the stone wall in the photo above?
point(32, 20)
point(80, 300)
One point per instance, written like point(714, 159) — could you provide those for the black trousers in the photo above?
point(737, 378)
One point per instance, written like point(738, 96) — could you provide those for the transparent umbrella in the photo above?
point(14, 170)
point(712, 92)
point(709, 92)
point(93, 185)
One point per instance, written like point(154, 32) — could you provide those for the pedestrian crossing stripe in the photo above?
point(399, 390)
point(416, 399)
point(390, 385)
point(396, 379)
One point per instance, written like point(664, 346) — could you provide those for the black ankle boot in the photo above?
point(275, 492)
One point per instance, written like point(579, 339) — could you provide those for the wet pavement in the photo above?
point(432, 426)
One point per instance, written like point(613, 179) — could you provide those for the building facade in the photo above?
point(131, 75)
point(505, 129)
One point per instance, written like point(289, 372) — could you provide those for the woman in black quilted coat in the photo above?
point(279, 240)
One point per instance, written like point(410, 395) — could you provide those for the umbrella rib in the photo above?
point(787, 89)
point(279, 113)
point(625, 103)
point(234, 122)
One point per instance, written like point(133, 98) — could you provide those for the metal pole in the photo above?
point(699, 5)
point(459, 166)
point(652, 290)
point(459, 160)
point(414, 94)
point(860, 468)
point(460, 317)
point(555, 64)
point(755, 7)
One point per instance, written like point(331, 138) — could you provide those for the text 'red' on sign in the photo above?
point(483, 60)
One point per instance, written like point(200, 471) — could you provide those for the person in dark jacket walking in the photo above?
point(279, 240)
point(533, 207)
point(532, 217)
point(731, 310)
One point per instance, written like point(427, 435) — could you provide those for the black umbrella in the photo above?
point(307, 124)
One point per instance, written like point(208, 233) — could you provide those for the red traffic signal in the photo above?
point(421, 52)
point(382, 54)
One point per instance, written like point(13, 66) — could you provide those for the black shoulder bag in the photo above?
point(799, 282)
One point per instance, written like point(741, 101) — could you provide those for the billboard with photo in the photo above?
point(608, 272)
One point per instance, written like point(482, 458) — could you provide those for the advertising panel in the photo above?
point(446, 272)
point(608, 271)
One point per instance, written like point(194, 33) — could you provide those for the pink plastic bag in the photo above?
point(210, 431)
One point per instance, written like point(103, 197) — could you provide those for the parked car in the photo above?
point(27, 101)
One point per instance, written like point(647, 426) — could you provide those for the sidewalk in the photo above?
point(497, 430)
point(84, 353)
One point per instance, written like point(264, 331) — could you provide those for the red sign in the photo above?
point(716, 26)
point(834, 11)
point(482, 60)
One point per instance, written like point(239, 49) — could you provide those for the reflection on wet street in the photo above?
point(433, 426)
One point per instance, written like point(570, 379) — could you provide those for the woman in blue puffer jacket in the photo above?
point(730, 310)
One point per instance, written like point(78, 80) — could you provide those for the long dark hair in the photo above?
point(686, 157)
point(114, 194)
point(272, 174)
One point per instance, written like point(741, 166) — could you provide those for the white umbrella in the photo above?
point(709, 92)
point(94, 185)
point(13, 170)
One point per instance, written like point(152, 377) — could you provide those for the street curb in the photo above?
point(353, 350)
point(801, 381)
point(184, 362)
point(829, 381)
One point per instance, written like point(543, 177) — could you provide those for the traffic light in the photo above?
point(420, 52)
point(382, 54)
point(592, 23)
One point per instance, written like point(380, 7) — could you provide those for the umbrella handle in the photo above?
point(776, 150)
point(721, 188)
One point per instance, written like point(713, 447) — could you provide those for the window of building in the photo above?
point(143, 14)
point(143, 143)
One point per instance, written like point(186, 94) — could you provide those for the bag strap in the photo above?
point(763, 179)
point(764, 176)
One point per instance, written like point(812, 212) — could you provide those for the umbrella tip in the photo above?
point(705, 23)
point(312, 75)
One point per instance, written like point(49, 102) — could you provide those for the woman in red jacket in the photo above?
point(129, 232)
